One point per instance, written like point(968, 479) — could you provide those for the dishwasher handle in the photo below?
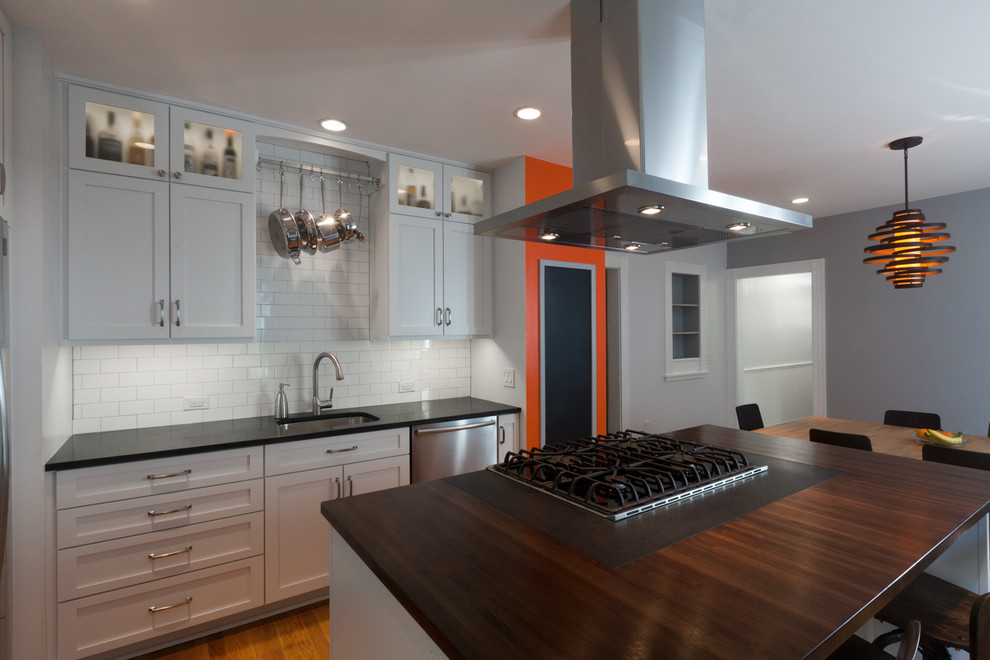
point(452, 429)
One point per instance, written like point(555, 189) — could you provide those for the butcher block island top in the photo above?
point(790, 579)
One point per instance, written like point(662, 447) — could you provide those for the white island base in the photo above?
point(366, 620)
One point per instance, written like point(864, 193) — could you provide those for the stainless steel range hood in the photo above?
point(640, 138)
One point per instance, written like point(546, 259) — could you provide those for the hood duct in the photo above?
point(640, 140)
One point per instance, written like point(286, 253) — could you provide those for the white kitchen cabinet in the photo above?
point(508, 435)
point(150, 260)
point(146, 548)
point(153, 140)
point(439, 279)
point(299, 476)
point(430, 189)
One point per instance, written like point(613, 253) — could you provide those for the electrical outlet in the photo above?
point(195, 403)
point(508, 377)
point(406, 386)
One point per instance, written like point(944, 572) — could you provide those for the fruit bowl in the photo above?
point(924, 440)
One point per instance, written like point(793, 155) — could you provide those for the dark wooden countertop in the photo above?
point(789, 580)
point(89, 449)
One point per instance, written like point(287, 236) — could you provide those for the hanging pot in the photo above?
point(327, 226)
point(309, 237)
point(283, 229)
point(348, 226)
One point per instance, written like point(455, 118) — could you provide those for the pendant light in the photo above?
point(910, 249)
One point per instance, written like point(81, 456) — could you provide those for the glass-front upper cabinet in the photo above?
point(427, 188)
point(117, 134)
point(121, 134)
point(211, 150)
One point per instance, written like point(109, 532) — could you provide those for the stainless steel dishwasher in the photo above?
point(449, 448)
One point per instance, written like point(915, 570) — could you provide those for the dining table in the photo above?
point(903, 441)
point(885, 438)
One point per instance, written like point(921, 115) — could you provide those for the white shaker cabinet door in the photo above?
point(467, 281)
point(118, 257)
point(296, 539)
point(213, 263)
point(415, 277)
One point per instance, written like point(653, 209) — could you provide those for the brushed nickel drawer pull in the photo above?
point(339, 493)
point(162, 608)
point(169, 476)
point(340, 451)
point(154, 513)
point(178, 314)
point(161, 312)
point(163, 555)
point(350, 482)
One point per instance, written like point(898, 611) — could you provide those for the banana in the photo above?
point(944, 438)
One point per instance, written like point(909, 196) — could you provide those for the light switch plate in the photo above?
point(509, 377)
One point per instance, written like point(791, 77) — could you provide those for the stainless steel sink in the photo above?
point(327, 422)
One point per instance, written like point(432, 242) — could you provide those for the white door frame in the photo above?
point(817, 269)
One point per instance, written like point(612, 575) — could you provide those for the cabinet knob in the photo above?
point(162, 173)
point(176, 175)
point(446, 215)
point(438, 214)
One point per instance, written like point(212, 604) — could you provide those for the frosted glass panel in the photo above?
point(415, 187)
point(212, 150)
point(467, 195)
point(119, 134)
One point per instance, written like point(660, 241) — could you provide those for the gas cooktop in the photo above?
point(622, 474)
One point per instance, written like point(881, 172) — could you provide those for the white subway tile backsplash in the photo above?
point(322, 304)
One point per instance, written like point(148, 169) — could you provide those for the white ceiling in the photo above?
point(803, 95)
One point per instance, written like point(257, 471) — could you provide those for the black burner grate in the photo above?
point(621, 474)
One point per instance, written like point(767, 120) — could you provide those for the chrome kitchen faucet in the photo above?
point(319, 405)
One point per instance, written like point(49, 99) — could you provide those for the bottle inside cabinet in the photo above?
point(210, 167)
point(137, 146)
point(189, 153)
point(416, 187)
point(230, 157)
point(108, 146)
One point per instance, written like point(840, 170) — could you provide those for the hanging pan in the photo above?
point(309, 238)
point(282, 227)
point(327, 225)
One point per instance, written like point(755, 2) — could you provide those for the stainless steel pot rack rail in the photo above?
point(306, 168)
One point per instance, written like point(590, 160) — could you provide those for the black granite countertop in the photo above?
point(89, 449)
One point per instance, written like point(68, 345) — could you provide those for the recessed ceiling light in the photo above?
point(549, 236)
point(799, 200)
point(527, 112)
point(334, 125)
point(652, 209)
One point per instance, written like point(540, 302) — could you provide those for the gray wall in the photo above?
point(914, 349)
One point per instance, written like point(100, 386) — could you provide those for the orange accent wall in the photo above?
point(534, 253)
point(544, 178)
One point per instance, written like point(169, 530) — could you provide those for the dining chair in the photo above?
point(951, 616)
point(850, 440)
point(857, 648)
point(749, 417)
point(909, 418)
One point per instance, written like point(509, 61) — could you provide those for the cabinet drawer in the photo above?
point(89, 569)
point(110, 620)
point(103, 522)
point(336, 450)
point(106, 483)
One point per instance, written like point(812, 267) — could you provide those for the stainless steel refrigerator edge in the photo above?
point(449, 448)
point(4, 439)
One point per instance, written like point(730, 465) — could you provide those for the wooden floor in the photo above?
point(302, 634)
